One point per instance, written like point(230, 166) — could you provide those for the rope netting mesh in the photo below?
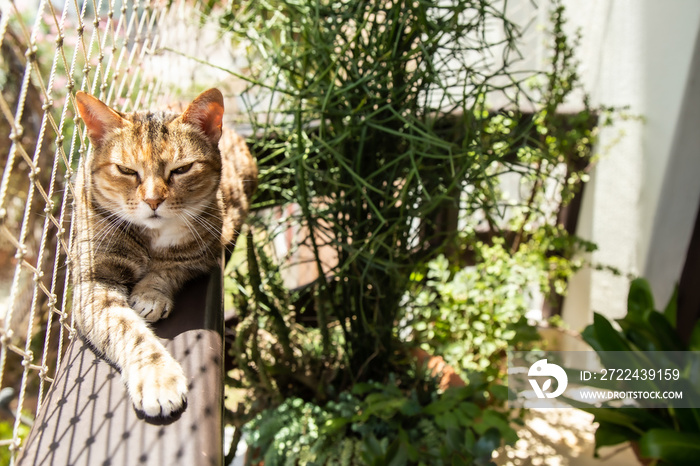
point(50, 50)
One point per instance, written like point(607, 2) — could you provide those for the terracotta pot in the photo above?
point(438, 367)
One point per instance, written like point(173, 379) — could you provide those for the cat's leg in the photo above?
point(152, 297)
point(155, 381)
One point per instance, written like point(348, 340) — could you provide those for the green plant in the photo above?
point(665, 435)
point(472, 315)
point(6, 432)
point(374, 132)
point(379, 140)
point(382, 153)
point(380, 424)
point(371, 135)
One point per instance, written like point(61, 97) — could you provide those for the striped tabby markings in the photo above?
point(149, 218)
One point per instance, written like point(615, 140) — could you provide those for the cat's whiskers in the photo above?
point(107, 230)
point(111, 217)
point(210, 227)
point(215, 213)
point(195, 234)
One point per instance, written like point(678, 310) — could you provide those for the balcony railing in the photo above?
point(51, 380)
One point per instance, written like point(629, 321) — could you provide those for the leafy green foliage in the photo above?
point(6, 432)
point(368, 132)
point(374, 134)
point(676, 448)
point(381, 424)
point(670, 436)
point(471, 316)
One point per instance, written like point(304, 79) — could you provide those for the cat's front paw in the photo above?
point(151, 304)
point(159, 388)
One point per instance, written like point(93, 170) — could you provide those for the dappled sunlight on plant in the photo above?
point(381, 424)
point(426, 216)
point(473, 314)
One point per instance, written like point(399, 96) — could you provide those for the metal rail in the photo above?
point(113, 49)
point(87, 418)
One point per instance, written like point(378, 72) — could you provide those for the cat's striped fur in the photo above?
point(156, 199)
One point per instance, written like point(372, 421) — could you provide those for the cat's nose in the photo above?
point(154, 202)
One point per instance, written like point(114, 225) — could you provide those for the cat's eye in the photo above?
point(126, 171)
point(182, 169)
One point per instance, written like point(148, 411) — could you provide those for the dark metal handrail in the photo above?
point(88, 419)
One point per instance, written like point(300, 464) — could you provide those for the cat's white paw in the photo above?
point(151, 304)
point(158, 388)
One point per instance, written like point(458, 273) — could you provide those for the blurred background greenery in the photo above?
point(426, 192)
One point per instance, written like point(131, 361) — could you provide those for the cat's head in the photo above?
point(154, 169)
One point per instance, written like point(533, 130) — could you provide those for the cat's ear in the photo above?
point(99, 119)
point(206, 113)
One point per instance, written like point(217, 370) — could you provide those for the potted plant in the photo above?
point(658, 435)
point(373, 130)
point(383, 423)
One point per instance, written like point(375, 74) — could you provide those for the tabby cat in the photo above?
point(156, 200)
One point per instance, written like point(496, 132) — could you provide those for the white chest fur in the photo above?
point(171, 235)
